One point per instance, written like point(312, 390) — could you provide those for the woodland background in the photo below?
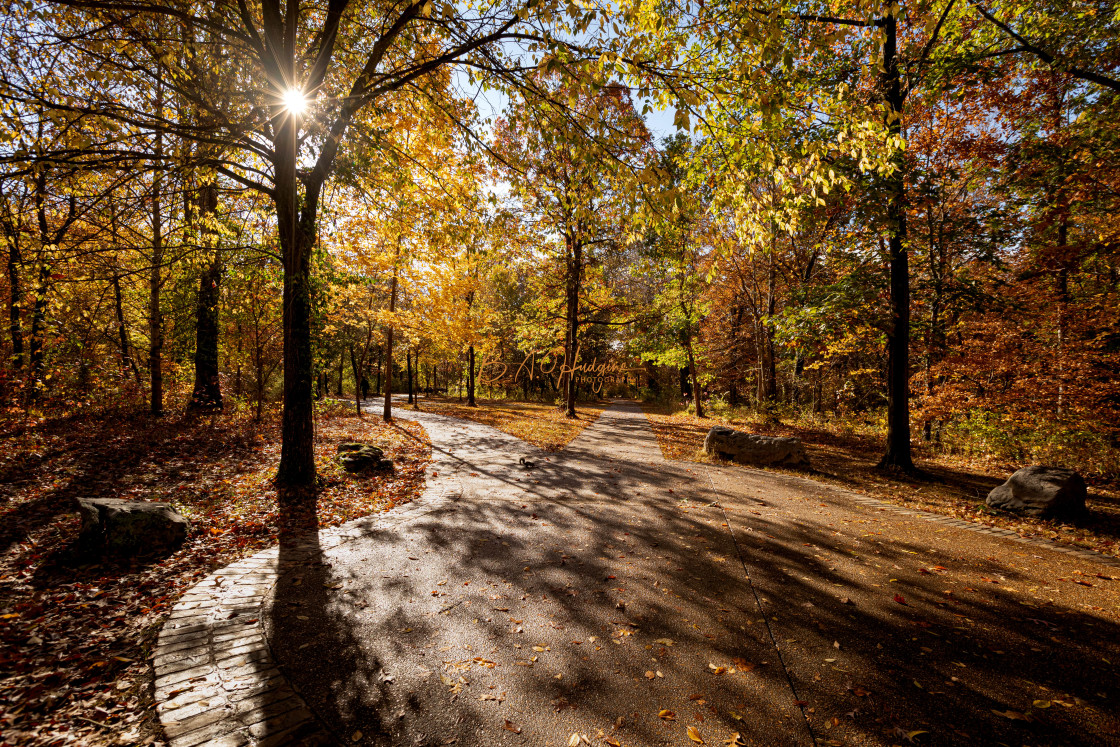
point(889, 227)
point(754, 248)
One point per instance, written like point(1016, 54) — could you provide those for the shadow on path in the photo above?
point(608, 593)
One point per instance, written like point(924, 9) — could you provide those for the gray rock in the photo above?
point(130, 527)
point(748, 448)
point(355, 457)
point(1048, 492)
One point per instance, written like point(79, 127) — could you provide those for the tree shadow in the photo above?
point(610, 591)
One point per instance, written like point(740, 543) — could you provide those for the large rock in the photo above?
point(748, 448)
point(130, 527)
point(355, 457)
point(1049, 492)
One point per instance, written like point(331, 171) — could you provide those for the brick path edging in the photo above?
point(216, 682)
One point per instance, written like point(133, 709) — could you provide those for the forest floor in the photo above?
point(539, 423)
point(955, 485)
point(75, 632)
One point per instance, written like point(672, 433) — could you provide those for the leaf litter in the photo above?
point(76, 631)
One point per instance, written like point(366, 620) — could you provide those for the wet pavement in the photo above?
point(607, 596)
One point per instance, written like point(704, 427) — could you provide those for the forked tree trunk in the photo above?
point(295, 477)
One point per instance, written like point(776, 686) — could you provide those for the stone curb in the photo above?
point(1078, 552)
point(216, 682)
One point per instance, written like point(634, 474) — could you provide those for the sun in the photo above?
point(295, 101)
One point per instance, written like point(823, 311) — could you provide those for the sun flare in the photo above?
point(295, 101)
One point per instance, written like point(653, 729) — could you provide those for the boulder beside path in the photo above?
point(355, 457)
point(1047, 492)
point(125, 527)
point(749, 448)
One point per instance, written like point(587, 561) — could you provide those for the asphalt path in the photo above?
point(607, 596)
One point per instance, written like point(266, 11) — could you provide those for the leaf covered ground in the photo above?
point(955, 486)
point(75, 631)
point(539, 423)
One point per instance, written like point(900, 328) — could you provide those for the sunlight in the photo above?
point(295, 101)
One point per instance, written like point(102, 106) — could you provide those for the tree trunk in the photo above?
point(387, 410)
point(341, 365)
point(574, 279)
point(15, 297)
point(408, 362)
point(207, 394)
point(470, 377)
point(380, 360)
point(692, 374)
point(127, 361)
point(155, 280)
point(356, 366)
point(295, 477)
point(898, 455)
point(258, 373)
point(36, 353)
point(237, 383)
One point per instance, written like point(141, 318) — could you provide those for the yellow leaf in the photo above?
point(667, 715)
point(694, 735)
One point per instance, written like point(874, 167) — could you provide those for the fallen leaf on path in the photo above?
point(694, 735)
point(900, 599)
point(573, 741)
point(667, 715)
point(1013, 715)
point(510, 726)
point(735, 740)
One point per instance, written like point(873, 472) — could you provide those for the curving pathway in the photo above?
point(609, 597)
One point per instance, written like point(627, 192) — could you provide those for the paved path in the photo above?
point(611, 595)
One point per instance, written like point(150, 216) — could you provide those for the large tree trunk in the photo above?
point(207, 394)
point(295, 477)
point(571, 338)
point(898, 456)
